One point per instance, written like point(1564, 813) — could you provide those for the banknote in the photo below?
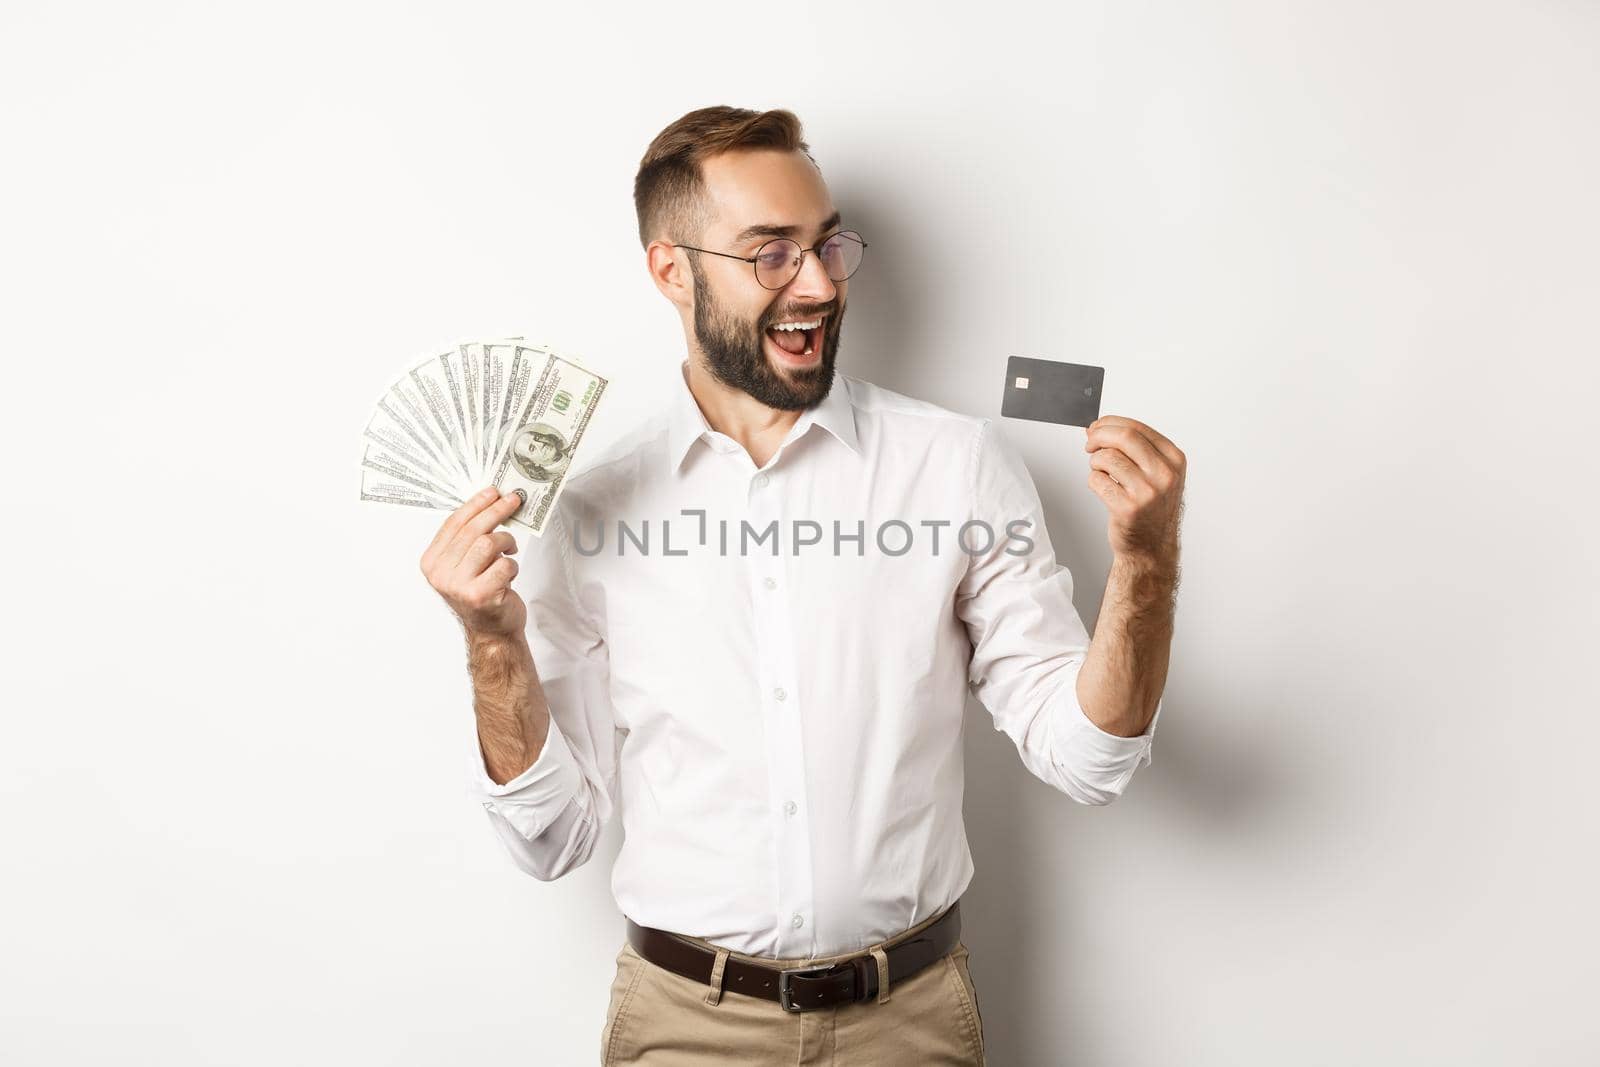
point(434, 386)
point(383, 489)
point(395, 432)
point(496, 412)
point(385, 461)
point(537, 448)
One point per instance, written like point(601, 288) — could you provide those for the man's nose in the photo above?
point(813, 283)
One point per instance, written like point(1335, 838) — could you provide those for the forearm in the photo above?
point(513, 716)
point(1126, 668)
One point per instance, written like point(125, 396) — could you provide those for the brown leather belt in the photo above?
point(802, 988)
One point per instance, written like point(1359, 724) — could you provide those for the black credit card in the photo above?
point(1048, 391)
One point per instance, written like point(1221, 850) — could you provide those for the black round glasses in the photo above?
point(778, 261)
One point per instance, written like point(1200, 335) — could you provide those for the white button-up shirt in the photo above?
point(764, 672)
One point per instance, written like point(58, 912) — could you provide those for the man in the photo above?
point(780, 725)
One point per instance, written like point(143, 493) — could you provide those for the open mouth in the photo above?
point(797, 345)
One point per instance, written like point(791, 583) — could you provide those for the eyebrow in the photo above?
point(767, 229)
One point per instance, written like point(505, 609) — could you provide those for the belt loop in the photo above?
point(715, 995)
point(882, 957)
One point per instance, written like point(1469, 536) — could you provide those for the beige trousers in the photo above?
point(660, 1019)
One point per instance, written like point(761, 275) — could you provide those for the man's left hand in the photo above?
point(1139, 474)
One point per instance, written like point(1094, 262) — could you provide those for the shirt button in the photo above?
point(796, 922)
point(761, 481)
point(770, 583)
point(791, 807)
point(780, 694)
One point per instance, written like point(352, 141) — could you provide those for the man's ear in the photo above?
point(670, 272)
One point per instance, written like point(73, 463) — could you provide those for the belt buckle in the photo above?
point(786, 993)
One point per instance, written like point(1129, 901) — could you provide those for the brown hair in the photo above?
point(669, 190)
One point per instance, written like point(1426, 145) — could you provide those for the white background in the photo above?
point(1344, 254)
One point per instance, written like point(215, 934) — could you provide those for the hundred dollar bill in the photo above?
point(539, 444)
point(390, 462)
point(467, 369)
point(407, 406)
point(386, 490)
point(507, 363)
point(480, 378)
point(519, 367)
point(433, 387)
point(448, 365)
point(492, 388)
point(393, 430)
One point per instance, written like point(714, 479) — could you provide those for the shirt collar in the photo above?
point(688, 425)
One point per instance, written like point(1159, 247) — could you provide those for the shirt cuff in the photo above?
point(1141, 741)
point(531, 801)
point(1109, 759)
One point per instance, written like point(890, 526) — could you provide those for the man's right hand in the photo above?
point(469, 564)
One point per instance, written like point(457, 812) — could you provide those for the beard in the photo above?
point(737, 357)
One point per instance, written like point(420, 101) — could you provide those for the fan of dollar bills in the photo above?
point(503, 413)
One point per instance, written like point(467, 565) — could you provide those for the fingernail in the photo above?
point(489, 492)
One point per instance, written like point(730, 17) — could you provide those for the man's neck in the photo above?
point(756, 427)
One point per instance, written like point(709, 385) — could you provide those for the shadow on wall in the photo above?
point(1021, 915)
point(1019, 919)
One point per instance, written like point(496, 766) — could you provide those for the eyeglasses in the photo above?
point(778, 261)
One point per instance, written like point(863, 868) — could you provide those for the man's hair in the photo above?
point(669, 190)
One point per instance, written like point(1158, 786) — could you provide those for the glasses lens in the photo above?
point(841, 254)
point(777, 262)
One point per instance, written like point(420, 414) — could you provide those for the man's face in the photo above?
point(538, 451)
point(733, 312)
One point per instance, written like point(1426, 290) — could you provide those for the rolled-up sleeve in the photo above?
point(551, 814)
point(1028, 640)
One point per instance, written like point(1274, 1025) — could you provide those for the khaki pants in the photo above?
point(660, 1019)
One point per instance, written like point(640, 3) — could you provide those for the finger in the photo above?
point(1133, 444)
point(482, 523)
point(1119, 467)
point(498, 576)
point(1172, 452)
point(458, 518)
point(1106, 488)
point(485, 549)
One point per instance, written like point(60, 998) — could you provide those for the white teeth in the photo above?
point(798, 325)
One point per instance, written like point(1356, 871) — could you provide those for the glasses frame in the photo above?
point(800, 259)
